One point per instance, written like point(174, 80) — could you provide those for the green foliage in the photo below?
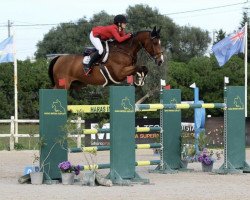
point(65, 38)
point(189, 42)
point(203, 141)
point(187, 146)
point(18, 146)
point(6, 90)
point(219, 35)
point(101, 19)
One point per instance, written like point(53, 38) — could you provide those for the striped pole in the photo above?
point(105, 148)
point(93, 109)
point(179, 106)
point(107, 165)
point(107, 130)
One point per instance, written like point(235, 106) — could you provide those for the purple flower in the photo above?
point(77, 169)
point(66, 167)
point(205, 159)
point(200, 158)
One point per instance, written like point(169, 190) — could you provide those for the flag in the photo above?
point(6, 50)
point(226, 48)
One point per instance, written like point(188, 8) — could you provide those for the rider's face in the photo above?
point(123, 25)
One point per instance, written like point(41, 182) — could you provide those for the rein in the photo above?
point(133, 58)
point(120, 50)
point(151, 57)
point(123, 51)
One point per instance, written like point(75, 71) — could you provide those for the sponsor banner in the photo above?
point(140, 138)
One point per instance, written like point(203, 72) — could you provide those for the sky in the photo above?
point(40, 16)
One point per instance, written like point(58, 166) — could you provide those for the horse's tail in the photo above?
point(50, 72)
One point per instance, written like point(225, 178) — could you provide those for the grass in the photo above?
point(27, 143)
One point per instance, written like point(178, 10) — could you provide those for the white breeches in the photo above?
point(96, 42)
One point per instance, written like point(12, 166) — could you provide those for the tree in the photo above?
point(190, 42)
point(219, 36)
point(100, 19)
point(6, 91)
point(143, 17)
point(65, 38)
point(245, 19)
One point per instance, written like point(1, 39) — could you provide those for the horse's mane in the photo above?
point(129, 41)
point(142, 31)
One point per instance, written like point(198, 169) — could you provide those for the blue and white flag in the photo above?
point(7, 50)
point(226, 48)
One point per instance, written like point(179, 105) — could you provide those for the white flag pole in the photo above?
point(15, 90)
point(245, 69)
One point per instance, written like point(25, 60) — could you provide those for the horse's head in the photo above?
point(152, 44)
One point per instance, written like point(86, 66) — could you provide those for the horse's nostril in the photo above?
point(160, 62)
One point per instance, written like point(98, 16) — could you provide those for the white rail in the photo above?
point(14, 137)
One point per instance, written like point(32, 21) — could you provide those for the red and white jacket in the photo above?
point(110, 32)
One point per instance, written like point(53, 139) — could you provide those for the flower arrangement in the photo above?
point(188, 152)
point(206, 158)
point(67, 167)
point(187, 147)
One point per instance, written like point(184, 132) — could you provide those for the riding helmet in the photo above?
point(120, 19)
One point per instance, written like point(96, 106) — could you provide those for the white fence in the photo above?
point(14, 137)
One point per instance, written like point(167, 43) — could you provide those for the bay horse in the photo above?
point(120, 63)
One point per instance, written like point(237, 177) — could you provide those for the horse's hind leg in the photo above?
point(62, 84)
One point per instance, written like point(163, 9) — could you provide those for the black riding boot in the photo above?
point(94, 58)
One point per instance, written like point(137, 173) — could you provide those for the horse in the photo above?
point(120, 63)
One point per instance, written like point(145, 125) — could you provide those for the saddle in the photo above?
point(89, 51)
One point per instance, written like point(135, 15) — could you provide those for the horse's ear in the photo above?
point(158, 31)
point(154, 29)
point(153, 32)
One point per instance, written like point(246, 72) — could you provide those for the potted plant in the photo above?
point(187, 154)
point(206, 160)
point(187, 149)
point(68, 172)
point(36, 176)
point(203, 140)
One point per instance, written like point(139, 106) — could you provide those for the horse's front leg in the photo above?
point(140, 75)
point(126, 71)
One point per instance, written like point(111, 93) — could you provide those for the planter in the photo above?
point(89, 178)
point(184, 163)
point(36, 178)
point(67, 178)
point(207, 168)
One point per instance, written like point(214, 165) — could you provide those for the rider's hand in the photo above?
point(131, 34)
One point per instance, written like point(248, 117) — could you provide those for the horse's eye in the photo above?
point(155, 41)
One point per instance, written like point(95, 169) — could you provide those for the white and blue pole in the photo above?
point(199, 117)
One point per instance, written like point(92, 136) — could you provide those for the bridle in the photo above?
point(133, 58)
point(151, 57)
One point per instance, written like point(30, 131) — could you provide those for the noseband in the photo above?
point(151, 57)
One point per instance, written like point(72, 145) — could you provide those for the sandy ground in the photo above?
point(183, 185)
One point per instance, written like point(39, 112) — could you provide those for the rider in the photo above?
point(100, 33)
